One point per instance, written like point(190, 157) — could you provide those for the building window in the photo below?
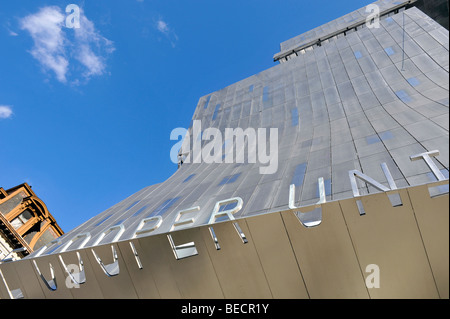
point(188, 178)
point(207, 102)
point(216, 110)
point(294, 116)
point(229, 179)
point(389, 51)
point(164, 207)
point(21, 219)
point(12, 203)
point(299, 175)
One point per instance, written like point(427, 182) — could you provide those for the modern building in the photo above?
point(25, 223)
point(325, 176)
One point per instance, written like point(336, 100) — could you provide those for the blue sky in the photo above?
point(86, 113)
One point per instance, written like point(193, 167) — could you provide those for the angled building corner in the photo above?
point(25, 223)
point(348, 199)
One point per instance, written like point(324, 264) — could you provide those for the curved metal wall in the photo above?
point(373, 96)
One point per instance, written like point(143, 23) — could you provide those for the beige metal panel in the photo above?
point(30, 282)
point(326, 256)
point(237, 265)
point(12, 280)
point(90, 289)
point(432, 217)
point(195, 276)
point(155, 254)
point(3, 292)
point(61, 292)
point(277, 257)
point(119, 286)
point(143, 280)
point(389, 238)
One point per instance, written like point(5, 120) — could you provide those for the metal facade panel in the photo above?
point(13, 287)
point(237, 265)
point(389, 237)
point(195, 276)
point(58, 277)
point(277, 256)
point(155, 255)
point(3, 292)
point(432, 216)
point(326, 256)
point(344, 22)
point(112, 286)
point(90, 289)
point(31, 285)
point(143, 278)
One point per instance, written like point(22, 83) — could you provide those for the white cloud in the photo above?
point(163, 27)
point(88, 39)
point(5, 111)
point(45, 27)
point(93, 63)
point(58, 48)
point(12, 33)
